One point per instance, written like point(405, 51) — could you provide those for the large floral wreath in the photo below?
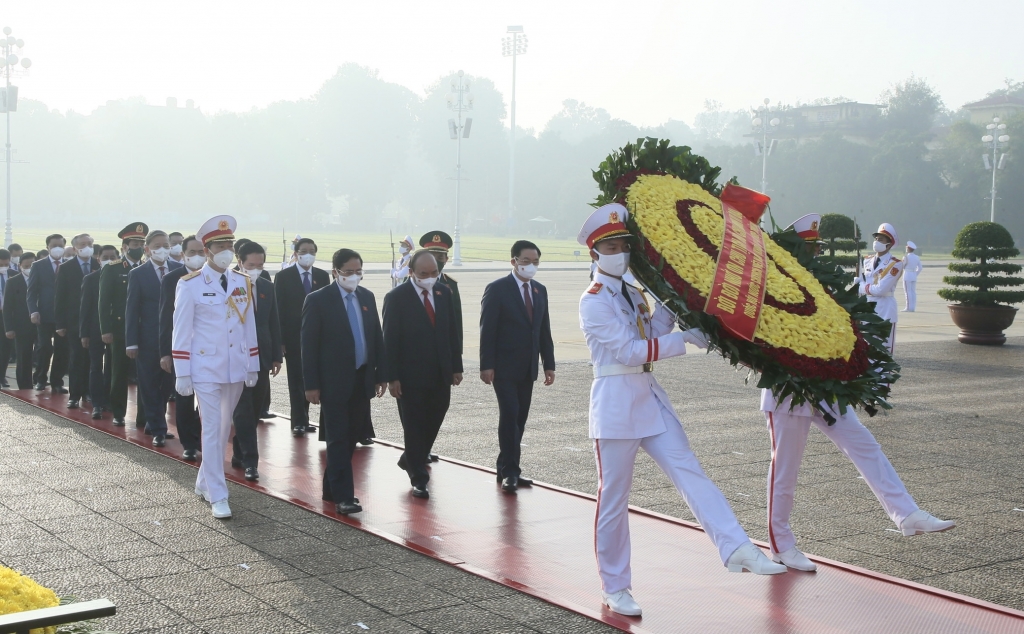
point(816, 339)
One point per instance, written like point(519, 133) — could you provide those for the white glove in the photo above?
point(183, 385)
point(251, 378)
point(696, 337)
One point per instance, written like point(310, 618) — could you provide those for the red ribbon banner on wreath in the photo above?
point(737, 294)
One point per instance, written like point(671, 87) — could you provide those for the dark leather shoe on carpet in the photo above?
point(267, 415)
point(169, 436)
point(118, 422)
point(434, 457)
point(420, 492)
point(189, 454)
point(60, 390)
point(236, 463)
point(40, 386)
point(366, 441)
point(347, 508)
point(509, 484)
point(97, 413)
point(159, 440)
point(310, 429)
point(251, 474)
point(524, 482)
point(72, 403)
point(298, 432)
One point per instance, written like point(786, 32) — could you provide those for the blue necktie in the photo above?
point(351, 307)
point(306, 284)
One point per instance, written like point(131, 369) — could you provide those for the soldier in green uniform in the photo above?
point(111, 303)
point(438, 243)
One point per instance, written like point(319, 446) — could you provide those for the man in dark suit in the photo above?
point(111, 305)
point(42, 284)
point(17, 323)
point(186, 416)
point(439, 243)
point(142, 332)
point(251, 258)
point(92, 338)
point(343, 368)
point(291, 286)
point(6, 345)
point(423, 361)
point(515, 330)
point(67, 307)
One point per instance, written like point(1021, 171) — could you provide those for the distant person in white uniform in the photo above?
point(911, 269)
point(215, 351)
point(401, 270)
point(879, 276)
point(629, 411)
point(788, 428)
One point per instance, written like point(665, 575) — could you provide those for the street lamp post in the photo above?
point(511, 47)
point(997, 140)
point(459, 100)
point(765, 126)
point(10, 103)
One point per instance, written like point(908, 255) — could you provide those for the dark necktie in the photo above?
point(163, 269)
point(429, 307)
point(352, 308)
point(528, 300)
point(625, 293)
point(306, 283)
point(224, 282)
point(85, 268)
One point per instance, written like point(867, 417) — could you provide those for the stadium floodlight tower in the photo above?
point(9, 103)
point(997, 139)
point(512, 46)
point(766, 127)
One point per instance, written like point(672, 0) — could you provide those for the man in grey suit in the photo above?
point(41, 295)
point(252, 257)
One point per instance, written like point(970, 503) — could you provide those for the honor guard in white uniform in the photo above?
point(401, 269)
point(630, 411)
point(215, 352)
point(879, 276)
point(788, 428)
point(911, 269)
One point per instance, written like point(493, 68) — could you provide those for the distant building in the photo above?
point(855, 122)
point(1002, 106)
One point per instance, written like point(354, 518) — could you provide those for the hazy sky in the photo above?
point(642, 61)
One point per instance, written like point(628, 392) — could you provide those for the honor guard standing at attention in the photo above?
point(438, 243)
point(788, 428)
point(879, 277)
point(630, 411)
point(112, 301)
point(911, 269)
point(215, 350)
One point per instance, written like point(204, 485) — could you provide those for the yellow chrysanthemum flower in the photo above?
point(18, 593)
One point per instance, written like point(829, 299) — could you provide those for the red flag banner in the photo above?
point(737, 294)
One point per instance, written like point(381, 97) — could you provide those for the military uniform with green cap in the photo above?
point(113, 297)
point(438, 243)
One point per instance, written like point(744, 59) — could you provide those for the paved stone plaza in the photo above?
point(92, 516)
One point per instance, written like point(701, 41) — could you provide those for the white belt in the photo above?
point(617, 369)
point(883, 295)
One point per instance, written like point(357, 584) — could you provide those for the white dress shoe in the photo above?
point(221, 510)
point(622, 602)
point(749, 557)
point(794, 559)
point(920, 522)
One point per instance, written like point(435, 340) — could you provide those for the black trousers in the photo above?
point(53, 356)
point(78, 367)
point(153, 387)
point(99, 373)
point(423, 411)
point(7, 347)
point(186, 418)
point(119, 363)
point(513, 409)
point(246, 417)
point(296, 388)
point(25, 345)
point(342, 422)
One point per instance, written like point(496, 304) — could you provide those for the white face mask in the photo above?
point(349, 283)
point(176, 250)
point(879, 247)
point(615, 265)
point(223, 259)
point(15, 260)
point(56, 252)
point(403, 249)
point(195, 262)
point(159, 255)
point(306, 260)
point(254, 274)
point(25, 272)
point(426, 284)
point(85, 253)
point(526, 272)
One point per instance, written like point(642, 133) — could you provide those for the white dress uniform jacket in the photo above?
point(214, 335)
point(622, 339)
point(911, 267)
point(878, 281)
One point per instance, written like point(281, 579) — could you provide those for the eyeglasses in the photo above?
point(347, 273)
point(526, 262)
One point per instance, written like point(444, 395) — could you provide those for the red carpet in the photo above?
point(541, 542)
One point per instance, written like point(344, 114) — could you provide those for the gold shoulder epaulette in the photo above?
point(192, 274)
point(595, 288)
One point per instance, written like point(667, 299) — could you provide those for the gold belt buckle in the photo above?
point(648, 367)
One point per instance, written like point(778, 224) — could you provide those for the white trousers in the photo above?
point(217, 403)
point(789, 438)
point(910, 290)
point(671, 451)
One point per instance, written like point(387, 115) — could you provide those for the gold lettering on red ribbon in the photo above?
point(737, 294)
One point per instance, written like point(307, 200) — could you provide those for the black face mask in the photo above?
point(440, 266)
point(136, 253)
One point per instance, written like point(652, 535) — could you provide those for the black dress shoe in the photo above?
point(366, 441)
point(72, 403)
point(510, 484)
point(434, 457)
point(347, 508)
point(40, 386)
point(310, 429)
point(97, 413)
point(168, 435)
point(524, 482)
point(298, 432)
point(420, 492)
point(236, 463)
point(252, 475)
point(60, 390)
point(267, 415)
point(189, 454)
point(119, 421)
point(158, 440)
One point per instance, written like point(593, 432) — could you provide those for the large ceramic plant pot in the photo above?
point(982, 325)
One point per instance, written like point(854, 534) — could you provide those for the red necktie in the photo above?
point(528, 300)
point(162, 269)
point(429, 307)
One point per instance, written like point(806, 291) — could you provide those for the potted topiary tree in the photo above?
point(981, 307)
point(840, 235)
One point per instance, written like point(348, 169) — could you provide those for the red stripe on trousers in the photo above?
point(771, 481)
